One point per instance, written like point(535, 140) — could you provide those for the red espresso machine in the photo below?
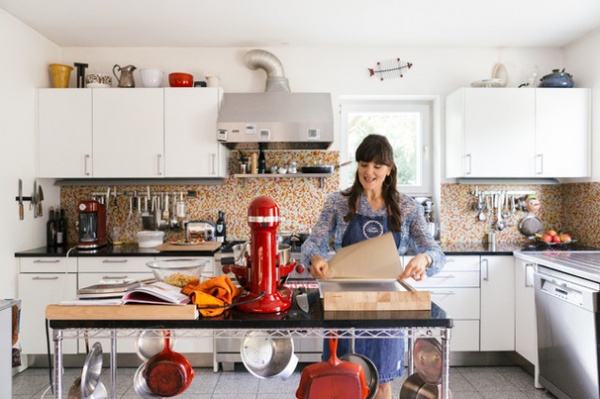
point(92, 225)
point(264, 294)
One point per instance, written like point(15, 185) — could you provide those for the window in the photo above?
point(406, 124)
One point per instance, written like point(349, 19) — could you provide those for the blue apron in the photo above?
point(386, 353)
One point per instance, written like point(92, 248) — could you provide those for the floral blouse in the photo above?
point(328, 232)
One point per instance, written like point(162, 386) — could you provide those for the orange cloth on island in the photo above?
point(217, 291)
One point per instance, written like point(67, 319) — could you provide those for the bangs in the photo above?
point(377, 151)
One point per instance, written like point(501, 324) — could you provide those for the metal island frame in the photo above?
point(411, 324)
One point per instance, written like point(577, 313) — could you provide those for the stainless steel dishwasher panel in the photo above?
point(567, 328)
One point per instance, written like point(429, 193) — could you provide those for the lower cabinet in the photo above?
point(41, 282)
point(525, 317)
point(456, 290)
point(497, 303)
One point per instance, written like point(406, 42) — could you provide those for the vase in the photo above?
point(60, 75)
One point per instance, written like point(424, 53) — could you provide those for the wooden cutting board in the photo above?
point(121, 312)
point(202, 246)
point(373, 296)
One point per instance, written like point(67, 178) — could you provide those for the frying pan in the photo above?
point(92, 368)
point(415, 388)
point(333, 378)
point(168, 373)
point(369, 368)
point(428, 360)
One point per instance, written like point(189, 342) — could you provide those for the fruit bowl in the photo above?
point(181, 79)
point(179, 271)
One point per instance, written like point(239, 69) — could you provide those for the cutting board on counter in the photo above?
point(372, 295)
point(121, 312)
point(201, 246)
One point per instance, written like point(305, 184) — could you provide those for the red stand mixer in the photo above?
point(261, 276)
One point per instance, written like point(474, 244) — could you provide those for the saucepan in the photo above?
point(267, 356)
point(168, 373)
point(415, 388)
point(151, 342)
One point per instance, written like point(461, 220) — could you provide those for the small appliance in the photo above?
point(92, 225)
point(264, 293)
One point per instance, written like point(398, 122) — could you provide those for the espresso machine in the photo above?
point(264, 293)
point(92, 225)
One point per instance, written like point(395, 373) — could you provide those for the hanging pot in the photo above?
point(168, 373)
point(266, 356)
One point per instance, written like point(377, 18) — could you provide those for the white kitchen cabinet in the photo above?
point(563, 136)
point(497, 303)
point(128, 133)
point(65, 133)
point(525, 317)
point(456, 290)
point(41, 282)
point(517, 133)
point(191, 148)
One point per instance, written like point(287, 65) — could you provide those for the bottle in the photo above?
point(221, 228)
point(253, 164)
point(51, 229)
point(61, 230)
point(262, 163)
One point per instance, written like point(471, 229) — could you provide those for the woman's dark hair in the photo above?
point(376, 148)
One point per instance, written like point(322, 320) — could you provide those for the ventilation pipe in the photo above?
point(261, 59)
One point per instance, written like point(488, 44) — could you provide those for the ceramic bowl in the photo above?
point(181, 79)
point(94, 80)
point(151, 77)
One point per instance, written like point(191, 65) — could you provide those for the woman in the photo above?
point(371, 207)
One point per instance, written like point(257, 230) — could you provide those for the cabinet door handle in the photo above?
point(528, 267)
point(45, 278)
point(158, 169)
point(46, 261)
point(443, 293)
point(86, 158)
point(214, 161)
point(114, 261)
point(540, 157)
point(443, 276)
point(485, 270)
point(468, 172)
point(114, 277)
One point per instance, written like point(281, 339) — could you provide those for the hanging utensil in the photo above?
point(40, 198)
point(505, 210)
point(500, 224)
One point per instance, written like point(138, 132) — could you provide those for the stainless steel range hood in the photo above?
point(278, 118)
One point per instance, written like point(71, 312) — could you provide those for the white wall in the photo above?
point(582, 60)
point(24, 59)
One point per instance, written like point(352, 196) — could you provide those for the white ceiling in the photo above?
point(308, 23)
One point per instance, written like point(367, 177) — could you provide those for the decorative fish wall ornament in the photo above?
point(393, 68)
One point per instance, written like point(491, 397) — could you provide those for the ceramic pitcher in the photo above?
point(126, 75)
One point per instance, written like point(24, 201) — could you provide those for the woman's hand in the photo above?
point(319, 267)
point(415, 268)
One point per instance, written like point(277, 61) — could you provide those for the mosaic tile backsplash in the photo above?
point(300, 199)
point(571, 208)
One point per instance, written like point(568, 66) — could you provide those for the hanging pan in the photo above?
point(333, 378)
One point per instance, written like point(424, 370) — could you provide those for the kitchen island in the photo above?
point(233, 323)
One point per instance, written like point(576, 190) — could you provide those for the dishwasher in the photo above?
point(567, 329)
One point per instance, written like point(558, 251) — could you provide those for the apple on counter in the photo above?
point(552, 237)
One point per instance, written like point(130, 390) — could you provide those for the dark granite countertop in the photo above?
point(290, 319)
point(109, 250)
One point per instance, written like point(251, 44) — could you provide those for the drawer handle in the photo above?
point(114, 277)
point(45, 278)
point(444, 293)
point(448, 276)
point(114, 261)
point(46, 261)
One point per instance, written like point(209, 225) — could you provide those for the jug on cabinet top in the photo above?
point(126, 75)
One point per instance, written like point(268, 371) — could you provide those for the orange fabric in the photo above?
point(217, 291)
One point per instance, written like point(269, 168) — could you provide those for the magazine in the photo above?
point(156, 293)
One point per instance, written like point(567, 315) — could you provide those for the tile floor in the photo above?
point(465, 383)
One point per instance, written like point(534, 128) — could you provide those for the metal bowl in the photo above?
point(241, 251)
point(267, 356)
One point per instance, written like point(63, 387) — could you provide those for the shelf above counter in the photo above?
point(244, 176)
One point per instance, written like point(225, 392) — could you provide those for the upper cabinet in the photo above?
point(518, 133)
point(130, 133)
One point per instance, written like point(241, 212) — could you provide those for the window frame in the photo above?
point(426, 108)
